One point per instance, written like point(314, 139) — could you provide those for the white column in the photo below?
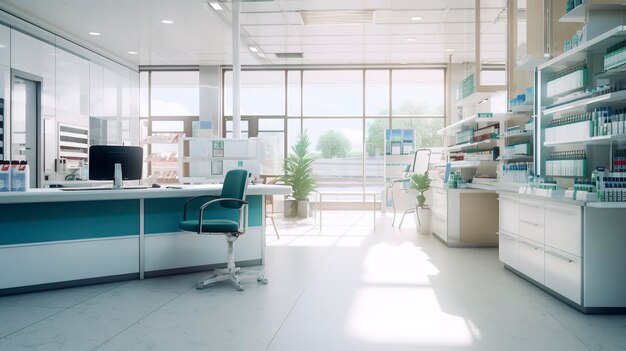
point(236, 72)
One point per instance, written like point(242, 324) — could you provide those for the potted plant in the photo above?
point(421, 183)
point(299, 175)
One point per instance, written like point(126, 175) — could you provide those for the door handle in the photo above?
point(528, 244)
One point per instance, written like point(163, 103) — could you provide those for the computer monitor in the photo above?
point(103, 160)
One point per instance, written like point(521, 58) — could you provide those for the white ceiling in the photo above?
point(202, 36)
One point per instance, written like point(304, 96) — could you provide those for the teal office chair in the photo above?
point(231, 199)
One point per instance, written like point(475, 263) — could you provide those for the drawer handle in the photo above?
point(568, 212)
point(506, 235)
point(529, 244)
point(528, 222)
point(554, 254)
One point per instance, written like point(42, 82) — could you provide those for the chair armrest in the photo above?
point(244, 203)
point(195, 198)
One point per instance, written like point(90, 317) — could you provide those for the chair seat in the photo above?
point(210, 226)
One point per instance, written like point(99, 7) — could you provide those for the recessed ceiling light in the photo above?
point(166, 21)
point(417, 18)
point(410, 39)
point(253, 49)
point(95, 34)
point(448, 50)
point(132, 52)
point(215, 5)
point(260, 54)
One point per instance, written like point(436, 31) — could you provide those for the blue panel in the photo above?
point(163, 215)
point(56, 221)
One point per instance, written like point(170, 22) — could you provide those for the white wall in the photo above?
point(76, 84)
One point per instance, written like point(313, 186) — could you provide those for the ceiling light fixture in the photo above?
point(253, 49)
point(340, 17)
point(132, 52)
point(417, 18)
point(215, 5)
point(448, 50)
point(95, 34)
point(410, 39)
point(165, 21)
point(261, 54)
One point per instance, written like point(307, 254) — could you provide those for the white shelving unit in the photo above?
point(73, 143)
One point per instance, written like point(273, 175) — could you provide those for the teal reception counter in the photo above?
point(51, 238)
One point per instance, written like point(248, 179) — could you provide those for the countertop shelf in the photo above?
point(579, 13)
point(578, 54)
point(599, 140)
point(584, 104)
point(470, 145)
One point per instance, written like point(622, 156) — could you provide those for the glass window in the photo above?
point(294, 93)
point(175, 93)
point(374, 151)
point(417, 92)
point(333, 93)
point(338, 148)
point(262, 93)
point(425, 130)
point(271, 124)
point(377, 92)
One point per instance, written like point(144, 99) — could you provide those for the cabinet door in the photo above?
point(439, 226)
point(531, 261)
point(440, 202)
point(509, 216)
point(563, 228)
point(508, 250)
point(563, 274)
point(531, 219)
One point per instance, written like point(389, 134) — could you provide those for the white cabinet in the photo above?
point(509, 250)
point(563, 274)
point(531, 221)
point(509, 216)
point(563, 228)
point(531, 259)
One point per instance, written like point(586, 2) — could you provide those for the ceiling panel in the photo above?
point(201, 35)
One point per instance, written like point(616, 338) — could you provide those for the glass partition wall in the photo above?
point(169, 106)
point(343, 111)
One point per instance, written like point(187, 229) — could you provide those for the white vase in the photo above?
point(422, 220)
point(290, 208)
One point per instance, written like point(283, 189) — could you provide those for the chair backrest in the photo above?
point(421, 161)
point(234, 187)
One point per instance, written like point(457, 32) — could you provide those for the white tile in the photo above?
point(60, 298)
point(14, 318)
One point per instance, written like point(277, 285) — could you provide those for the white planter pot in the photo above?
point(422, 220)
point(290, 208)
point(303, 209)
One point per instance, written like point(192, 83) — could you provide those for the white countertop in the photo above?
point(545, 199)
point(58, 195)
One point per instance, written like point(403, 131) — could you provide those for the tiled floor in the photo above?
point(345, 288)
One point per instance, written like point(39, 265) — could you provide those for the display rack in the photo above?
point(399, 153)
point(73, 142)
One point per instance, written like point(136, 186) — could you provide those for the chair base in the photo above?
point(231, 276)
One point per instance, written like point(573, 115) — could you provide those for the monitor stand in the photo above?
point(118, 183)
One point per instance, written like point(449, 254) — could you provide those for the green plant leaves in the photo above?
point(298, 169)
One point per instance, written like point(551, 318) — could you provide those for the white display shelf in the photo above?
point(579, 13)
point(469, 164)
point(617, 71)
point(477, 97)
point(579, 53)
point(469, 145)
point(606, 204)
point(599, 140)
point(583, 104)
point(529, 64)
point(500, 117)
point(518, 158)
point(524, 108)
point(528, 133)
point(457, 124)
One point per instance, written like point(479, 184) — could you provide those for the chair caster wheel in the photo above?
point(261, 279)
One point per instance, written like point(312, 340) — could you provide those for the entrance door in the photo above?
point(25, 126)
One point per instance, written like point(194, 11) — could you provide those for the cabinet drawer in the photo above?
point(531, 212)
point(508, 250)
point(563, 228)
point(531, 261)
point(563, 274)
point(439, 226)
point(531, 230)
point(509, 216)
point(440, 202)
